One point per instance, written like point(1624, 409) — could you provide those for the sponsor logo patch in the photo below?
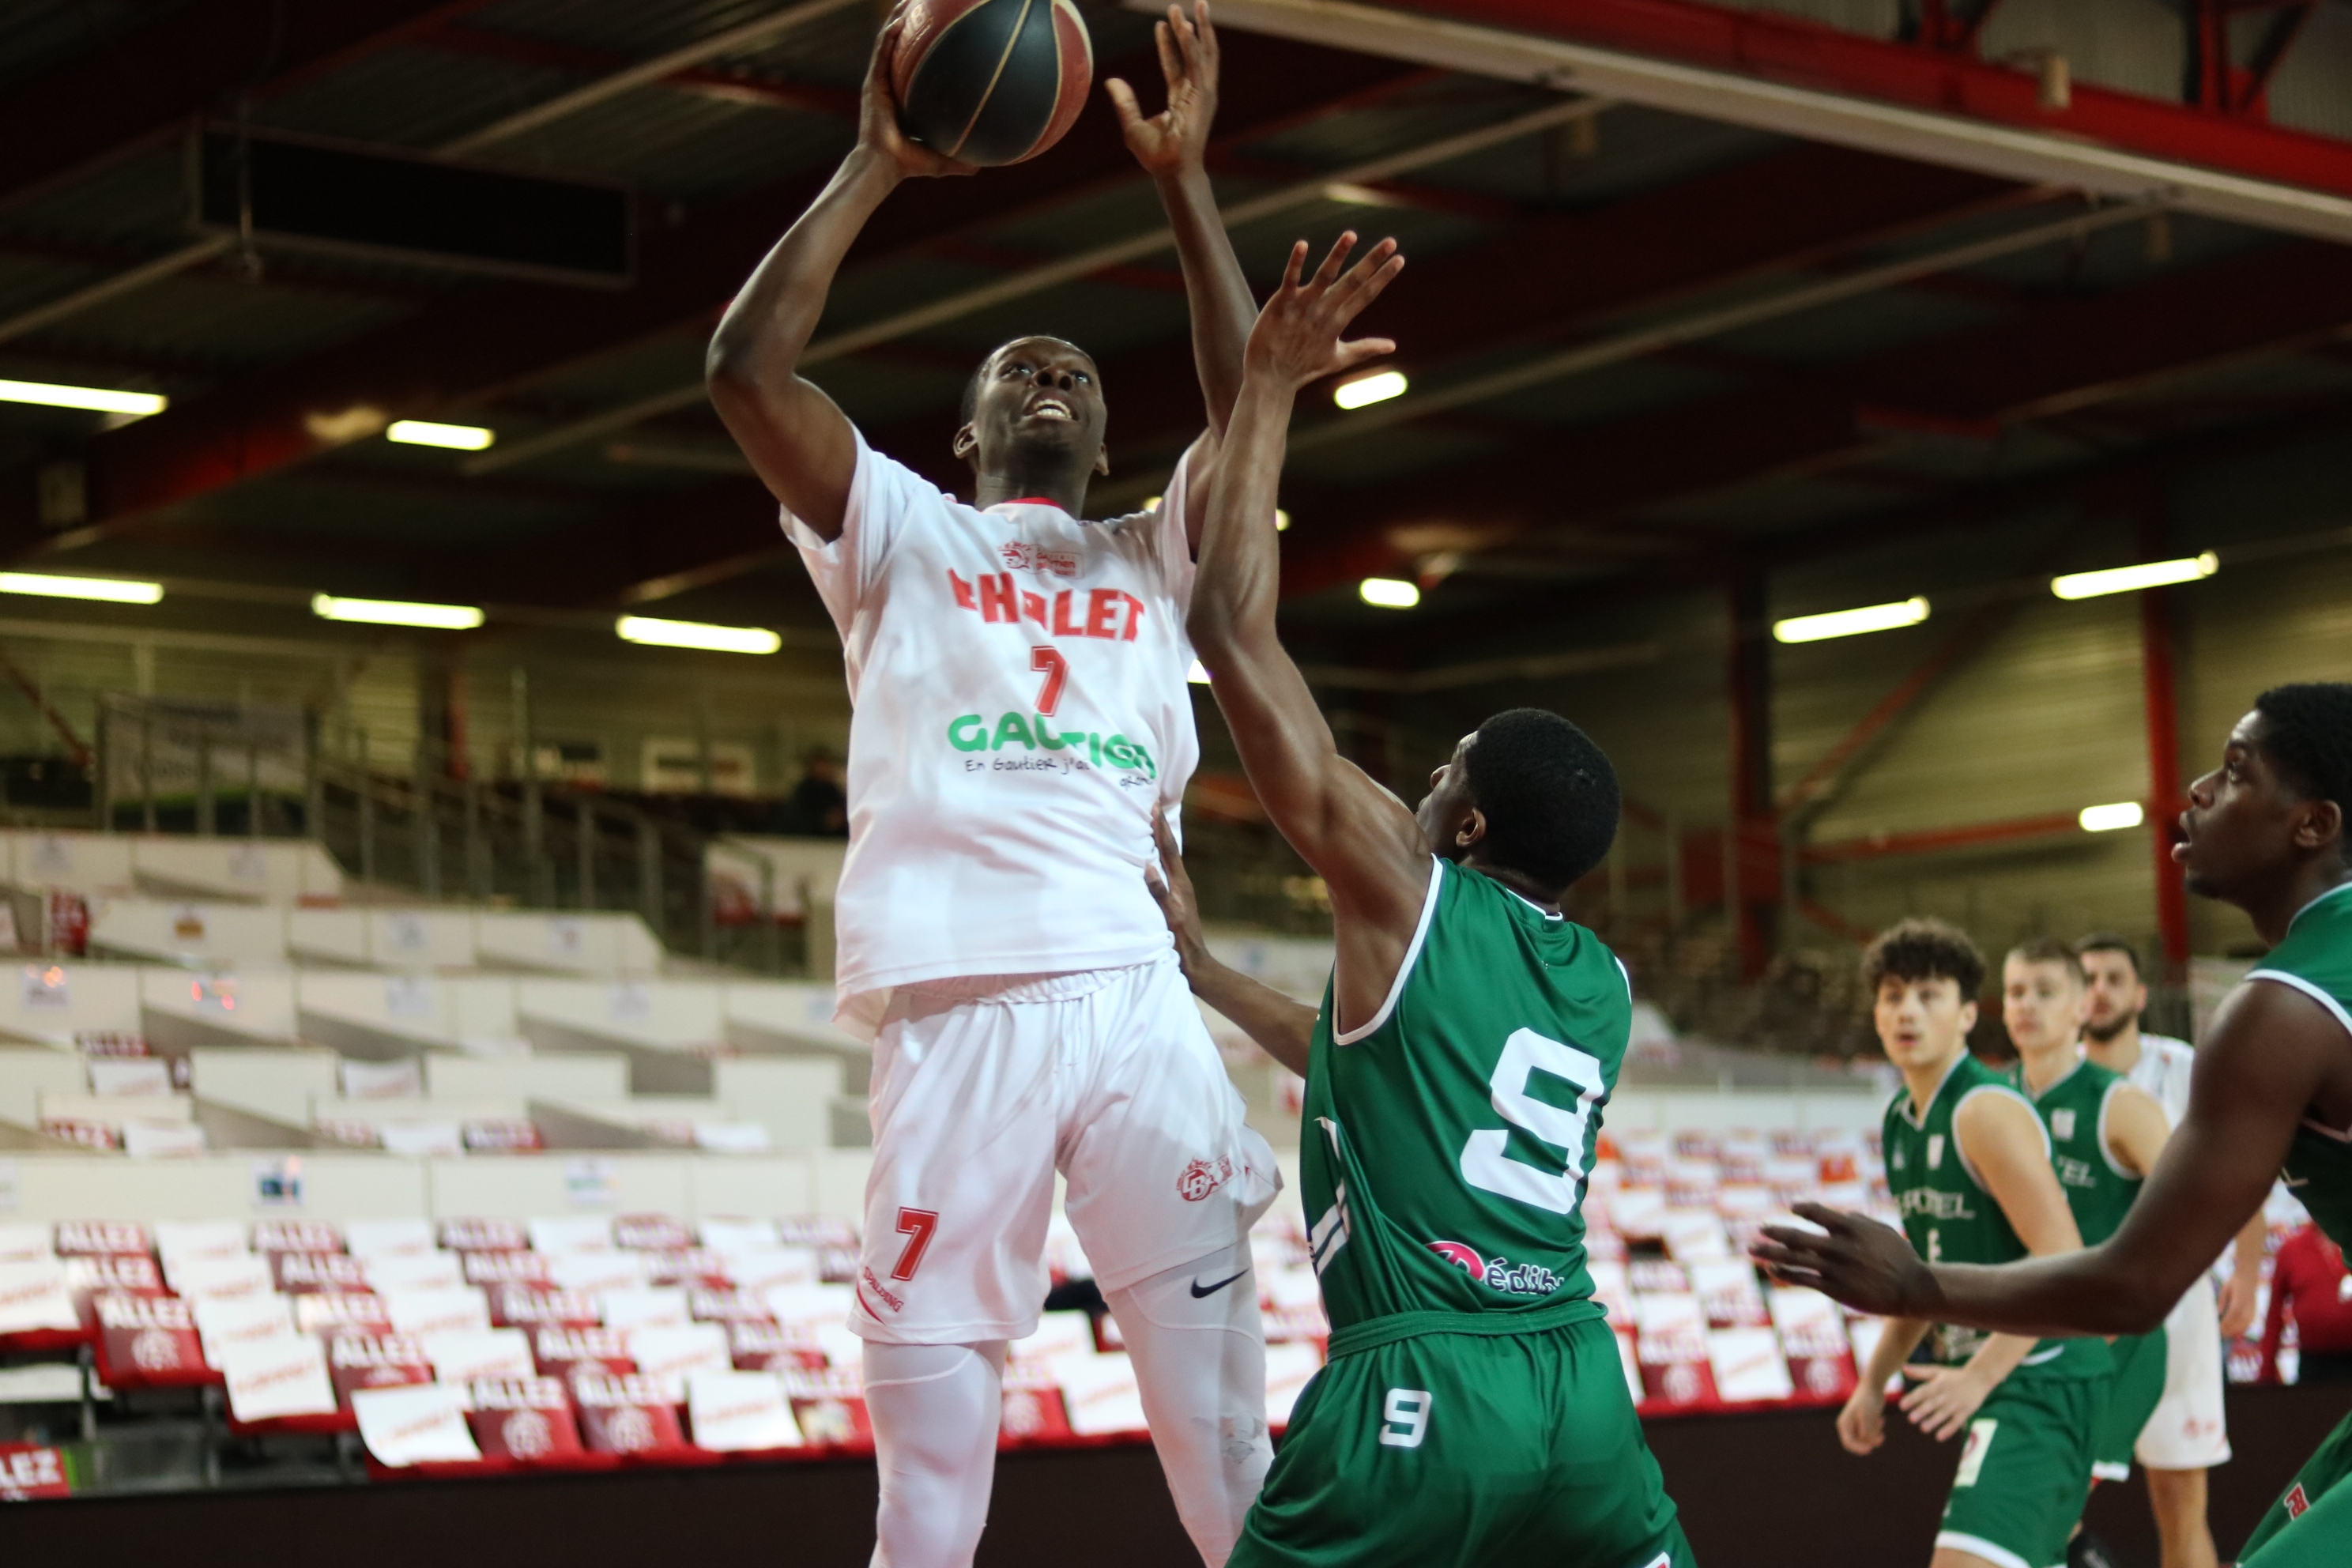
point(1499, 1273)
point(2298, 1501)
point(880, 1294)
point(1202, 1177)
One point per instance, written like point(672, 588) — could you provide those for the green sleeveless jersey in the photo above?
point(2316, 960)
point(1950, 1216)
point(2074, 1113)
point(1447, 1140)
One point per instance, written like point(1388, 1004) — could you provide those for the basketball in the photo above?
point(992, 81)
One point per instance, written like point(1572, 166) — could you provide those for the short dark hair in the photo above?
point(2050, 950)
point(1921, 949)
point(2308, 735)
point(1548, 794)
point(2108, 941)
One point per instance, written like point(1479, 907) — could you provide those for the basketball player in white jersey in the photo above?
point(2187, 1435)
point(1018, 677)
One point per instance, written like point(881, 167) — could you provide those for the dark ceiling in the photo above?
point(2018, 341)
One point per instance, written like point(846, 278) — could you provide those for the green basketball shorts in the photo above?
point(1461, 1449)
point(2025, 1471)
point(2138, 1388)
point(2310, 1526)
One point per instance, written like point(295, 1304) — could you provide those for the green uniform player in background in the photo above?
point(2265, 831)
point(1969, 1164)
point(1474, 1408)
point(2104, 1136)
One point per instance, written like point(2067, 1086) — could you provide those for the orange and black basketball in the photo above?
point(992, 81)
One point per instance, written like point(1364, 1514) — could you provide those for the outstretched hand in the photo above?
point(1171, 886)
point(1297, 339)
point(1850, 1258)
point(1177, 137)
point(877, 114)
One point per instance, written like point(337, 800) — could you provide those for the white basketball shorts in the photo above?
point(2187, 1431)
point(984, 1086)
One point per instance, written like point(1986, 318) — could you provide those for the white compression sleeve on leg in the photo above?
point(935, 1410)
point(1200, 1363)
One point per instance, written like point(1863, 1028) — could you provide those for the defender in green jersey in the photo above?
point(1475, 1409)
point(2104, 1136)
point(2265, 831)
point(1969, 1164)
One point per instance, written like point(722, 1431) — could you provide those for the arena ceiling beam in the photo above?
point(2121, 483)
point(1784, 210)
point(2022, 121)
point(141, 88)
point(504, 336)
point(2061, 355)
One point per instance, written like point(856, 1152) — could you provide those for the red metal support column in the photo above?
point(1751, 850)
point(2161, 700)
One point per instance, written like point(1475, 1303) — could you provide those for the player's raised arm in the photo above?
point(799, 442)
point(2267, 1056)
point(1282, 1027)
point(1357, 836)
point(1172, 147)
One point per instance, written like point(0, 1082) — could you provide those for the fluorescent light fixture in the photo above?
point(1390, 592)
point(424, 432)
point(2108, 818)
point(114, 590)
point(102, 400)
point(1366, 390)
point(695, 634)
point(395, 613)
point(1348, 194)
point(2131, 579)
point(1281, 521)
point(1199, 673)
point(1849, 623)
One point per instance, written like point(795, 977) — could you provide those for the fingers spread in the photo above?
point(1334, 261)
point(1296, 263)
point(1171, 63)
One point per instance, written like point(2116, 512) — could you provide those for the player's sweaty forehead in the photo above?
point(1041, 348)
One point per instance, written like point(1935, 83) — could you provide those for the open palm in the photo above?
point(1164, 143)
point(1298, 336)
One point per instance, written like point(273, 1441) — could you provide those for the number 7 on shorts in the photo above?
point(915, 1226)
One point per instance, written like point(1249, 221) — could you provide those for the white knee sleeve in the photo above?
point(935, 1410)
point(1199, 1361)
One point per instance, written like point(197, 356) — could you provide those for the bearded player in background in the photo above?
point(1018, 677)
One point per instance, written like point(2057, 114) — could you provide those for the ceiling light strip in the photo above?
point(2132, 579)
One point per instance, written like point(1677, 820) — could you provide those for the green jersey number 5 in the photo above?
point(1486, 1163)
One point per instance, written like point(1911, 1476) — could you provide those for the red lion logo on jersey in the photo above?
point(1202, 1177)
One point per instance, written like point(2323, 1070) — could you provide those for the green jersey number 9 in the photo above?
point(1485, 1162)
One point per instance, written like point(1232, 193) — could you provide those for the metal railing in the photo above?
point(436, 828)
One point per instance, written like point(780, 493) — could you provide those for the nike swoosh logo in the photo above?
point(1200, 1290)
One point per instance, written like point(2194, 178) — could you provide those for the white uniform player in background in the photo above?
point(2187, 1435)
point(1018, 674)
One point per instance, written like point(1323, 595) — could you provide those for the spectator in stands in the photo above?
point(818, 808)
point(2310, 1281)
